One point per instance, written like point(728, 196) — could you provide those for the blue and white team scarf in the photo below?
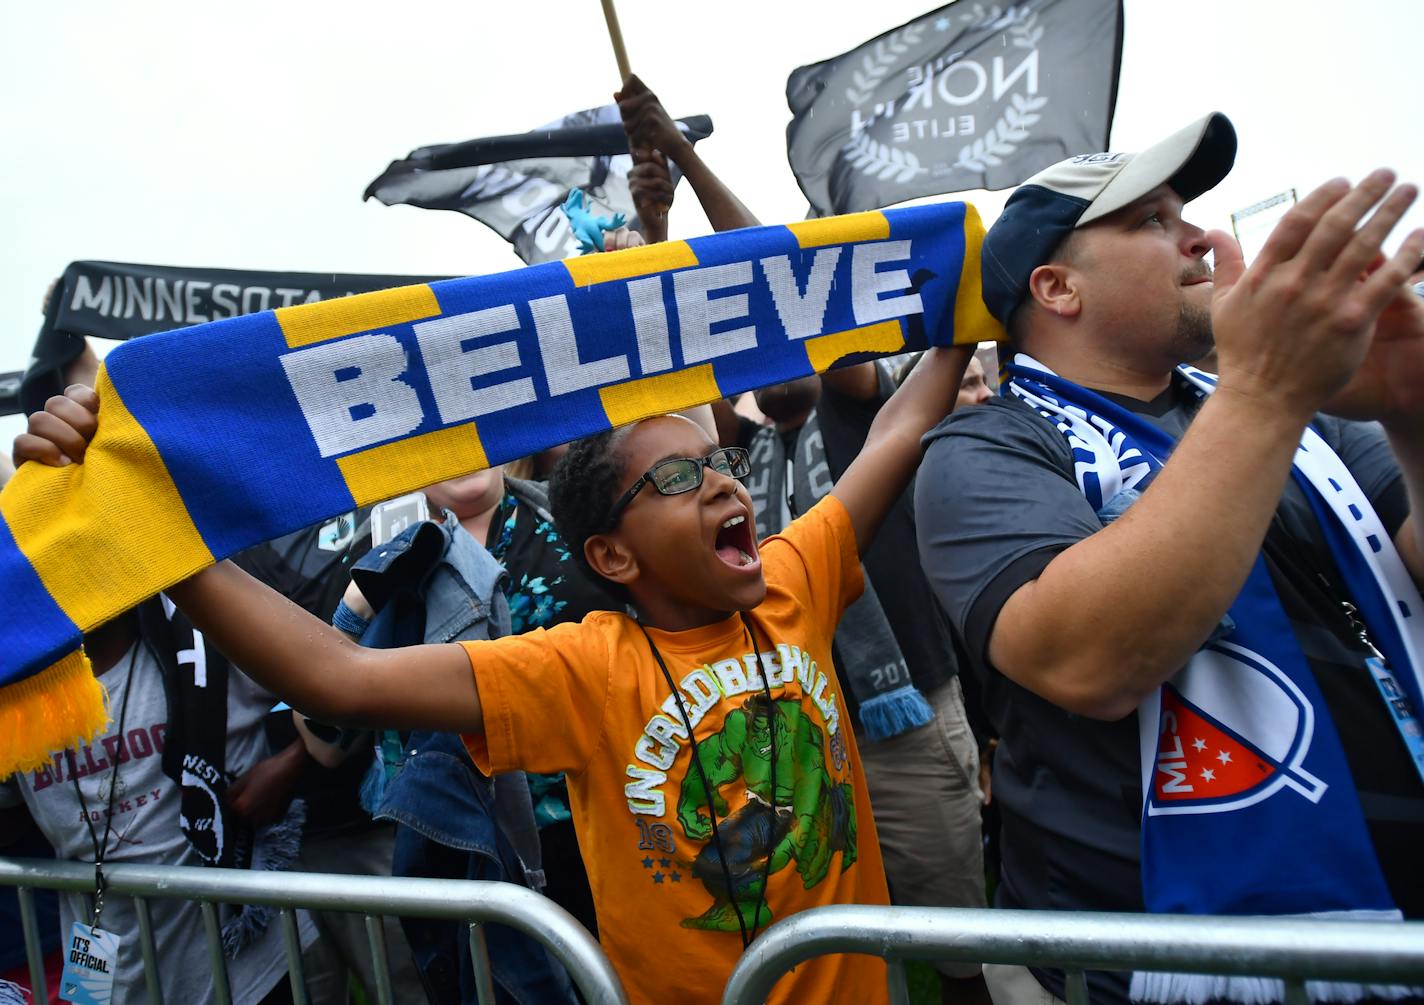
point(1249, 807)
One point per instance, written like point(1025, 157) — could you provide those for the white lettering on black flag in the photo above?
point(968, 96)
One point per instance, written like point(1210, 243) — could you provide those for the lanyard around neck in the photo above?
point(102, 848)
point(707, 789)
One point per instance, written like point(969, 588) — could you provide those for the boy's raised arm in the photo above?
point(892, 450)
point(319, 671)
point(306, 662)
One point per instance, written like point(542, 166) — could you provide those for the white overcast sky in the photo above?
point(242, 135)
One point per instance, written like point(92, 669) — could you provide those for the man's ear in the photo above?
point(611, 558)
point(1054, 287)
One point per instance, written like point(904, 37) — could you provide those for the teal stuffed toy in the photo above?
point(587, 227)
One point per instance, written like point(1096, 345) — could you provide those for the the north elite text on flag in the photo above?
point(968, 96)
point(515, 184)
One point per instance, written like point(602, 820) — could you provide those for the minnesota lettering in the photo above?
point(182, 301)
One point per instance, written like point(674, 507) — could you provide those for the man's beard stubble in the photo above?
point(1194, 338)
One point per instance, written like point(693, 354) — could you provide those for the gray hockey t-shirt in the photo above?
point(145, 829)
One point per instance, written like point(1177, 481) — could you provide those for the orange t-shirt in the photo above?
point(589, 699)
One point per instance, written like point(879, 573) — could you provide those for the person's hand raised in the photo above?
point(650, 184)
point(262, 793)
point(1293, 329)
point(647, 123)
point(61, 433)
point(622, 239)
point(1389, 385)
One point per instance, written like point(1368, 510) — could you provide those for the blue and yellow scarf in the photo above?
point(218, 437)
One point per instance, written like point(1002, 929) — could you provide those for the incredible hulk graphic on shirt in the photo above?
point(814, 816)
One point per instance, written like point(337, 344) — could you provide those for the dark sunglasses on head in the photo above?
point(684, 474)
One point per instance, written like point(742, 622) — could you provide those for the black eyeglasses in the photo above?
point(684, 474)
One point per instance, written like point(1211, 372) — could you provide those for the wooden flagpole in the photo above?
point(615, 35)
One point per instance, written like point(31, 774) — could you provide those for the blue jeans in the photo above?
point(445, 810)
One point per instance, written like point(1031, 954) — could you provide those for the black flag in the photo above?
point(124, 300)
point(968, 96)
point(515, 184)
point(10, 392)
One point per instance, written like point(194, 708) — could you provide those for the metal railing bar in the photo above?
point(215, 952)
point(149, 950)
point(1290, 948)
point(464, 900)
point(296, 969)
point(480, 964)
point(34, 956)
point(380, 962)
point(899, 982)
point(1075, 987)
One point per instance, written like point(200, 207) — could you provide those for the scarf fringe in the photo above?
point(1200, 989)
point(275, 849)
point(60, 708)
point(894, 712)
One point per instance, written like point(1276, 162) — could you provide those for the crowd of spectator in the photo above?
point(853, 641)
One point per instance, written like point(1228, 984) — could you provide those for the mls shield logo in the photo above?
point(1233, 730)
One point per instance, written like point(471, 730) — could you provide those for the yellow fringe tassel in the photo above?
point(59, 708)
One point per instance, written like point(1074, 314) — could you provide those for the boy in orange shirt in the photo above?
point(714, 784)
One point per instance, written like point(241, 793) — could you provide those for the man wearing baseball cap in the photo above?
point(1191, 598)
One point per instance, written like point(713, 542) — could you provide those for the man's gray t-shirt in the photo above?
point(997, 501)
point(145, 829)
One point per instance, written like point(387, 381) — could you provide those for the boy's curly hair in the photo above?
point(582, 489)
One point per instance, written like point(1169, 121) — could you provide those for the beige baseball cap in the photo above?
point(1043, 210)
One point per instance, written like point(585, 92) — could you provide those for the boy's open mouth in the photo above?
point(734, 543)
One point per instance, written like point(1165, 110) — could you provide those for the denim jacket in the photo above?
point(436, 583)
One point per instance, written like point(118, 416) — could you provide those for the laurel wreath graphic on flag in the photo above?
point(1002, 139)
point(882, 160)
point(999, 141)
point(980, 18)
point(886, 56)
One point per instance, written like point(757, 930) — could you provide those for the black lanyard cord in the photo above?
point(101, 849)
point(771, 732)
point(707, 788)
point(1300, 561)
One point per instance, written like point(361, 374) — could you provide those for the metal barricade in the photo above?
point(1293, 950)
point(478, 903)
